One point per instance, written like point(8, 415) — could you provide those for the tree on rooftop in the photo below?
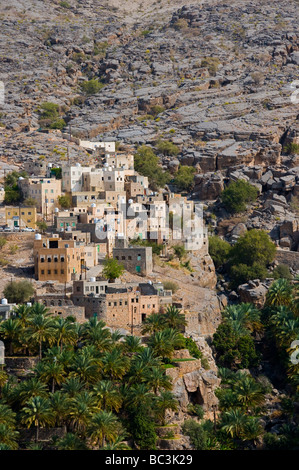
point(112, 269)
point(65, 201)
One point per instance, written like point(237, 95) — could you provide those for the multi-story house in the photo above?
point(20, 216)
point(45, 191)
point(56, 259)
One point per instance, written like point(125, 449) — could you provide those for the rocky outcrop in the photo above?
point(254, 292)
point(193, 384)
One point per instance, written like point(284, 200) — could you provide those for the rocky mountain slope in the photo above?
point(221, 72)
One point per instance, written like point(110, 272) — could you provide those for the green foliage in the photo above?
point(18, 291)
point(219, 250)
point(282, 271)
point(13, 194)
point(58, 124)
point(49, 116)
point(147, 163)
point(49, 110)
point(166, 147)
point(143, 431)
point(155, 110)
point(179, 251)
point(65, 201)
point(201, 434)
point(279, 293)
point(112, 269)
point(192, 348)
point(232, 350)
point(291, 148)
point(3, 242)
point(237, 195)
point(42, 225)
point(156, 248)
point(65, 4)
point(255, 246)
point(91, 87)
point(170, 285)
point(250, 256)
point(184, 178)
point(57, 172)
point(196, 410)
point(242, 273)
point(30, 201)
point(212, 64)
point(87, 379)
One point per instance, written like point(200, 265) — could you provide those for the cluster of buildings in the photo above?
point(112, 207)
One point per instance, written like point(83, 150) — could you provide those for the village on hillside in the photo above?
point(97, 230)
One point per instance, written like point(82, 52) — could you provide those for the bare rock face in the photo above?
point(192, 383)
point(253, 292)
point(208, 187)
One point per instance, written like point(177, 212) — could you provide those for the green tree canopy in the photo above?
point(184, 178)
point(147, 163)
point(237, 195)
point(112, 269)
point(219, 250)
point(18, 291)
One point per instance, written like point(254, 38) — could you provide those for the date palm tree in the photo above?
point(51, 372)
point(94, 332)
point(244, 318)
point(115, 364)
point(233, 422)
point(31, 388)
point(104, 426)
point(153, 323)
point(39, 309)
point(156, 379)
point(165, 401)
point(117, 444)
point(173, 318)
point(71, 442)
point(107, 395)
point(3, 379)
point(37, 412)
point(164, 342)
point(8, 437)
point(132, 344)
point(279, 293)
point(138, 397)
point(249, 393)
point(86, 368)
point(252, 430)
point(22, 312)
point(81, 409)
point(60, 405)
point(65, 332)
point(41, 330)
point(7, 416)
point(11, 330)
point(72, 386)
